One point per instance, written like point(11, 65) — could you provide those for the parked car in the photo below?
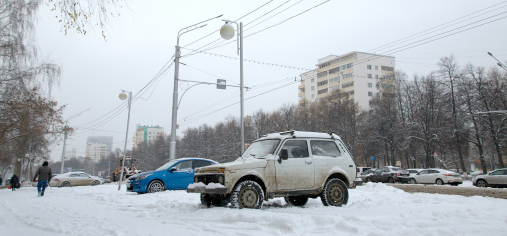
point(497, 178)
point(436, 176)
point(413, 172)
point(360, 170)
point(295, 165)
point(173, 175)
point(77, 178)
point(389, 174)
point(366, 173)
point(478, 172)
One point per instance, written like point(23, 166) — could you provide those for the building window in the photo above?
point(313, 88)
point(352, 92)
point(334, 70)
point(347, 66)
point(376, 67)
point(313, 95)
point(370, 94)
point(370, 76)
point(349, 75)
point(387, 68)
point(376, 76)
point(324, 82)
point(368, 67)
point(322, 91)
point(334, 79)
point(301, 90)
point(370, 85)
point(301, 98)
point(321, 74)
point(313, 80)
point(349, 84)
point(334, 88)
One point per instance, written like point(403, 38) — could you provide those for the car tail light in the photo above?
point(448, 174)
point(55, 179)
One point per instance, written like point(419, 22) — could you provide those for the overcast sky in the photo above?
point(142, 40)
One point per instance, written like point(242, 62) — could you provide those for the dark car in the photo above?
point(389, 174)
point(174, 175)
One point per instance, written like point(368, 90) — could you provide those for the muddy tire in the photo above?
point(413, 181)
point(296, 200)
point(95, 183)
point(440, 182)
point(247, 194)
point(335, 193)
point(390, 180)
point(368, 180)
point(65, 184)
point(155, 186)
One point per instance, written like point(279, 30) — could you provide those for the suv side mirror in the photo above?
point(284, 155)
point(172, 169)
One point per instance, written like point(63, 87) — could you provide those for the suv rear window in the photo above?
point(324, 148)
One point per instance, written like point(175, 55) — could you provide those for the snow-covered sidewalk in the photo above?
point(373, 209)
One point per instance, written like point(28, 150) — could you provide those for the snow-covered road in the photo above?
point(373, 209)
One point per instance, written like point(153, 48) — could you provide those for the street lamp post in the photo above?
point(499, 62)
point(124, 96)
point(172, 144)
point(227, 32)
point(65, 137)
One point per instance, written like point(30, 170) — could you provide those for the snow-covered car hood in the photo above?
point(143, 173)
point(241, 163)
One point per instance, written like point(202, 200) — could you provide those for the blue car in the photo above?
point(174, 175)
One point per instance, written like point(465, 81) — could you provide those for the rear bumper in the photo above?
point(357, 182)
point(455, 181)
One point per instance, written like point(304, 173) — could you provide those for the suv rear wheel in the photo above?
point(335, 193)
point(247, 194)
point(296, 200)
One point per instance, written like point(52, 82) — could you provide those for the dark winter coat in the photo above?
point(44, 173)
point(14, 181)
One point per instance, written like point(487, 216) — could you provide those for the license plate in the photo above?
point(200, 189)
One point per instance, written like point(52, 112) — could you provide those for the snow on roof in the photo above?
point(301, 134)
point(194, 158)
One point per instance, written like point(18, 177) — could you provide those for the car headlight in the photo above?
point(142, 177)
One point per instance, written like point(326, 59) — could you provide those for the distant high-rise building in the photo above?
point(147, 134)
point(98, 146)
point(96, 151)
point(361, 75)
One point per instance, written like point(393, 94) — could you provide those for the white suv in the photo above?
point(295, 165)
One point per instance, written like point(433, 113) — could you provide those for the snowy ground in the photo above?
point(373, 209)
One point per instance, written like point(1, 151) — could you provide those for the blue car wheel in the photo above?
point(155, 186)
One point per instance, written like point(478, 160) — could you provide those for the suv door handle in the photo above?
point(308, 161)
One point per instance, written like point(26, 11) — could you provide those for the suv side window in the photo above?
point(296, 148)
point(385, 169)
point(324, 148)
point(201, 163)
point(74, 175)
point(84, 175)
point(433, 172)
point(184, 165)
point(423, 172)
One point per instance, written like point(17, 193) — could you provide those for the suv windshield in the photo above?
point(396, 169)
point(261, 148)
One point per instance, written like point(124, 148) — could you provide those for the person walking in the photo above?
point(14, 182)
point(44, 173)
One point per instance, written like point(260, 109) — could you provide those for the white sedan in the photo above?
point(436, 176)
point(74, 179)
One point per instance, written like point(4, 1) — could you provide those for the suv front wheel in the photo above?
point(335, 193)
point(247, 194)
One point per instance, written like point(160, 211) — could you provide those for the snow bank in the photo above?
point(373, 209)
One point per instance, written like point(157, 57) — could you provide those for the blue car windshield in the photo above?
point(167, 165)
point(261, 148)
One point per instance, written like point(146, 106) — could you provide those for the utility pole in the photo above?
point(63, 153)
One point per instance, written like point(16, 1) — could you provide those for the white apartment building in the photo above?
point(147, 134)
point(356, 73)
point(96, 151)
